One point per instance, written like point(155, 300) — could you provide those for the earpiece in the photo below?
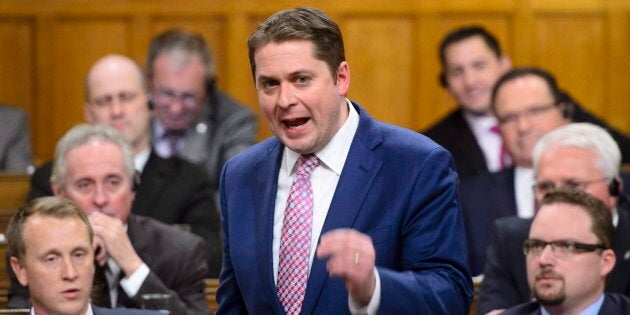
point(136, 181)
point(613, 187)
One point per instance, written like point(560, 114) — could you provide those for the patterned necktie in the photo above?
point(100, 289)
point(504, 157)
point(295, 242)
point(172, 137)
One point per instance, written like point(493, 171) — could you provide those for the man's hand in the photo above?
point(112, 239)
point(350, 256)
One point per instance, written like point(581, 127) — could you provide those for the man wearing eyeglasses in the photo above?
point(567, 264)
point(579, 156)
point(194, 120)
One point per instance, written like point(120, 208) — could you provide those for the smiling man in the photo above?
point(338, 213)
point(50, 241)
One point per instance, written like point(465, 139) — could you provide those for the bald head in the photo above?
point(112, 67)
point(116, 95)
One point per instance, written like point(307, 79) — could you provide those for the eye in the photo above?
point(268, 84)
point(453, 72)
point(114, 183)
point(479, 65)
point(302, 80)
point(127, 96)
point(508, 119)
point(80, 254)
point(573, 184)
point(83, 186)
point(545, 186)
point(51, 259)
point(103, 101)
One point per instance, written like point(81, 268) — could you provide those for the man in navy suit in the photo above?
point(50, 243)
point(386, 233)
point(578, 155)
point(567, 264)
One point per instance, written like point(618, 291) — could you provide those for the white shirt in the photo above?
point(87, 312)
point(490, 142)
point(141, 159)
point(524, 191)
point(324, 179)
point(160, 144)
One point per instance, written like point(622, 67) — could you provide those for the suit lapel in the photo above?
point(357, 176)
point(264, 202)
point(152, 181)
point(619, 280)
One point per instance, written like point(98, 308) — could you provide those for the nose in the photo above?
point(547, 257)
point(100, 197)
point(286, 96)
point(117, 107)
point(469, 77)
point(523, 122)
point(69, 271)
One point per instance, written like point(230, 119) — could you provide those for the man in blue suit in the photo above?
point(50, 242)
point(382, 198)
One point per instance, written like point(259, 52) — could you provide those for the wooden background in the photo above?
point(48, 46)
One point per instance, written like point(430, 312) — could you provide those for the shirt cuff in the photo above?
point(374, 303)
point(132, 284)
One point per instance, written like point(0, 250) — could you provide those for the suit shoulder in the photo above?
point(7, 110)
point(615, 303)
point(445, 125)
point(512, 226)
point(229, 106)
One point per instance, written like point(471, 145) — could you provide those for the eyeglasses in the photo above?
point(560, 248)
point(530, 113)
point(544, 187)
point(165, 97)
point(107, 100)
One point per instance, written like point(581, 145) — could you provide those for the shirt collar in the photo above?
point(140, 159)
point(592, 309)
point(334, 154)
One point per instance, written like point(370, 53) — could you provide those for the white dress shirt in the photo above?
point(490, 142)
point(324, 179)
point(87, 312)
point(524, 191)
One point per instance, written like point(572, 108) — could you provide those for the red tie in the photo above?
point(504, 157)
point(295, 242)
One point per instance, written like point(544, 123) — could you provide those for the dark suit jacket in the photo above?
point(454, 134)
point(505, 274)
point(176, 259)
point(614, 304)
point(122, 311)
point(230, 128)
point(396, 186)
point(15, 143)
point(485, 198)
point(171, 190)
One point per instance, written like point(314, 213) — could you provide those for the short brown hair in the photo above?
point(301, 24)
point(55, 207)
point(601, 219)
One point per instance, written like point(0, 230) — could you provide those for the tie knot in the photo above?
point(308, 162)
point(495, 129)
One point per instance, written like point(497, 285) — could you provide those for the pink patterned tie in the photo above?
point(504, 157)
point(295, 242)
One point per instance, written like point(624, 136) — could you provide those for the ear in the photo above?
point(343, 78)
point(19, 270)
point(608, 261)
point(56, 189)
point(86, 113)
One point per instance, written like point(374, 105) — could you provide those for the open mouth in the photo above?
point(295, 123)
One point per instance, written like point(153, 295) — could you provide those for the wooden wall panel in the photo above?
point(573, 48)
point(79, 42)
point(381, 52)
point(17, 71)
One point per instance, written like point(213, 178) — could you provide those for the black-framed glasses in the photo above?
point(546, 186)
point(530, 113)
point(560, 248)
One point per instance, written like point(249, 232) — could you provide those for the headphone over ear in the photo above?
point(613, 187)
point(567, 109)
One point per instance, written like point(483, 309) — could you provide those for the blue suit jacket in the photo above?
point(396, 186)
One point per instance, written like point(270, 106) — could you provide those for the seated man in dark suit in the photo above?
point(528, 103)
point(579, 155)
point(567, 264)
point(50, 243)
point(94, 168)
point(171, 190)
